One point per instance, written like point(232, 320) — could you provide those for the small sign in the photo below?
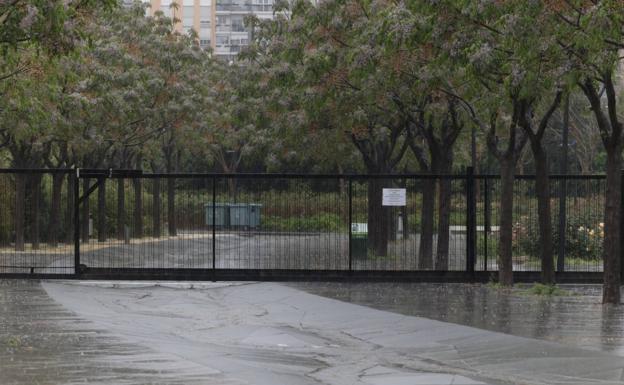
point(393, 197)
point(359, 228)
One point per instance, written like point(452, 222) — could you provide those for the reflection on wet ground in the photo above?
point(42, 343)
point(577, 320)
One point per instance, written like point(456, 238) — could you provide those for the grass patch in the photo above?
point(497, 286)
point(547, 291)
point(14, 342)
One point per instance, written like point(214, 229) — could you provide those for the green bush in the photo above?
point(584, 235)
point(492, 246)
point(318, 222)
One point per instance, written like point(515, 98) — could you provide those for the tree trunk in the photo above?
point(444, 221)
point(542, 189)
point(102, 211)
point(84, 221)
point(156, 208)
point(171, 214)
point(20, 209)
point(613, 197)
point(138, 208)
point(121, 208)
point(35, 208)
point(505, 261)
point(233, 188)
point(378, 218)
point(55, 209)
point(425, 260)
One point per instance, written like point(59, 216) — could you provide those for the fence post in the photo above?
point(350, 222)
point(471, 221)
point(214, 226)
point(76, 204)
point(621, 229)
point(563, 192)
point(486, 221)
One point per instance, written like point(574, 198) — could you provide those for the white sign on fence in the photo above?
point(359, 228)
point(393, 197)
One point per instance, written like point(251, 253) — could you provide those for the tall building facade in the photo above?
point(219, 23)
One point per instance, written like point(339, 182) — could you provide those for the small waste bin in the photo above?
point(245, 215)
point(359, 245)
point(222, 214)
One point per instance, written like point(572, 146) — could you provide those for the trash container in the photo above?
point(245, 215)
point(222, 214)
point(359, 245)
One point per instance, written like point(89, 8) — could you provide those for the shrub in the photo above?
point(317, 222)
point(584, 235)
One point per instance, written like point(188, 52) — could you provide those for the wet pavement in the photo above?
point(41, 342)
point(578, 319)
point(273, 334)
point(268, 333)
point(233, 250)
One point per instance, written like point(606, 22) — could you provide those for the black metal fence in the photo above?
point(116, 224)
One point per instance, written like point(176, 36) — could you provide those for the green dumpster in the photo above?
point(222, 214)
point(245, 215)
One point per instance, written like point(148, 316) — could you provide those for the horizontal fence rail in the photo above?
point(130, 224)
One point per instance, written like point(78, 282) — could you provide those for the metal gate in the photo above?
point(126, 224)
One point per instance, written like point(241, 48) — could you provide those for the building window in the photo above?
point(223, 41)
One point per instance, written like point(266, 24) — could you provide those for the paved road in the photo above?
point(265, 333)
point(250, 250)
point(576, 318)
point(42, 342)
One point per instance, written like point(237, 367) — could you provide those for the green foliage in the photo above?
point(14, 342)
point(547, 290)
point(584, 234)
point(52, 25)
point(492, 246)
point(324, 222)
point(497, 286)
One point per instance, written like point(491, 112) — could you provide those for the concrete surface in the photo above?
point(576, 318)
point(242, 250)
point(265, 333)
point(43, 343)
point(259, 333)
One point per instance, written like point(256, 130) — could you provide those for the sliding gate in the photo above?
point(119, 224)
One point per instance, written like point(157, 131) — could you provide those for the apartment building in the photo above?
point(219, 23)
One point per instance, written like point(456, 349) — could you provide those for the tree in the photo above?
point(414, 44)
point(324, 60)
point(235, 123)
point(592, 34)
point(54, 26)
point(143, 89)
point(514, 70)
point(25, 131)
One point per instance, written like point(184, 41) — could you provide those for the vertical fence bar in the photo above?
point(621, 230)
point(486, 221)
point(471, 221)
point(76, 222)
point(101, 225)
point(350, 222)
point(563, 192)
point(563, 188)
point(214, 226)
